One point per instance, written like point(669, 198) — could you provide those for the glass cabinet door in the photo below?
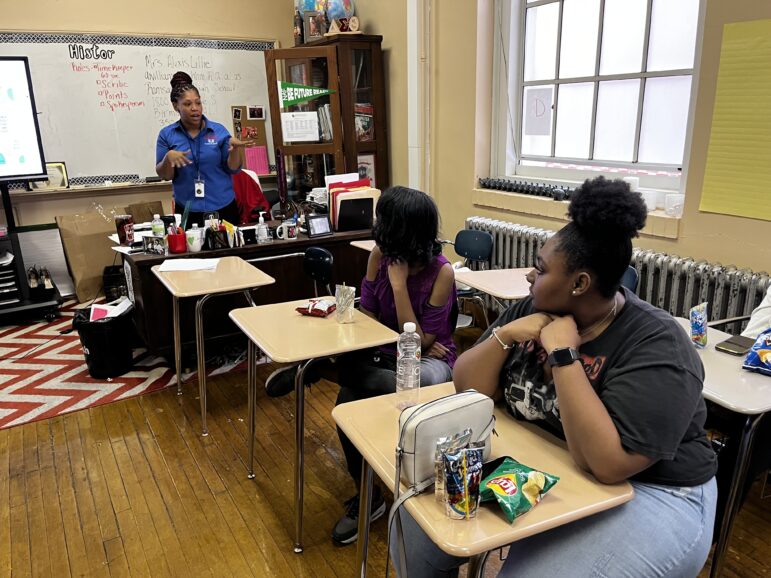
point(361, 95)
point(305, 103)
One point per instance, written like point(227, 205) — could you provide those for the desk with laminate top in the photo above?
point(372, 426)
point(232, 275)
point(287, 336)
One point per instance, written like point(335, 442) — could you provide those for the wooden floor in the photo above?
point(132, 489)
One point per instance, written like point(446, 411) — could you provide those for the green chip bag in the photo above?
point(516, 487)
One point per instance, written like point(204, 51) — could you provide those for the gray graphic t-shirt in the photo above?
point(647, 374)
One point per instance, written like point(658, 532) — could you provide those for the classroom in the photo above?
point(246, 470)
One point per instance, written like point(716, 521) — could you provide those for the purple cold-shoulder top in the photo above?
point(378, 298)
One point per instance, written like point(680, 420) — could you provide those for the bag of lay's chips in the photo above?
point(759, 357)
point(516, 487)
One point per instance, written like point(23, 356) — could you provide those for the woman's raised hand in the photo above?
point(561, 333)
point(238, 143)
point(178, 159)
point(398, 271)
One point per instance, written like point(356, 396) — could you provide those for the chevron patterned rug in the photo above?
point(43, 373)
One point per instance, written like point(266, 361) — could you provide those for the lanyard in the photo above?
point(195, 150)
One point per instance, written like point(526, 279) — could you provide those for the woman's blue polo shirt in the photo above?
point(209, 153)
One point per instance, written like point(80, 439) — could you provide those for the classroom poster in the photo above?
point(738, 171)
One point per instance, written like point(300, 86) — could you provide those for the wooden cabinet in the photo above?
point(341, 131)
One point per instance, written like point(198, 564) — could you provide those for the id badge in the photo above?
point(200, 189)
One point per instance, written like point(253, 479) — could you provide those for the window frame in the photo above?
point(506, 126)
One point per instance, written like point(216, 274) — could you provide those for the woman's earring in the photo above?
point(574, 292)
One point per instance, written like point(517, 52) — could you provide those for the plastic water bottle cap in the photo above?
point(409, 327)
point(156, 216)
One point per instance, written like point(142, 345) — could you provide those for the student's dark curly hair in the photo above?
point(180, 84)
point(606, 215)
point(407, 225)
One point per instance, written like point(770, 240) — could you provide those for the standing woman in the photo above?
point(199, 156)
point(621, 382)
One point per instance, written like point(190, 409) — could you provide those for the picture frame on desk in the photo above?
point(366, 168)
point(57, 178)
point(318, 226)
point(313, 25)
point(155, 245)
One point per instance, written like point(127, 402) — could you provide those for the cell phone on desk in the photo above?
point(735, 345)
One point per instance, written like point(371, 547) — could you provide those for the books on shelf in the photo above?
point(364, 121)
point(325, 123)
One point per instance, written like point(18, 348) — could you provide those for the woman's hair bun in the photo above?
point(607, 208)
point(181, 79)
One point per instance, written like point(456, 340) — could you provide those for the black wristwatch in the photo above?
point(563, 356)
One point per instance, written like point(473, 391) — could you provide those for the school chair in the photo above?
point(475, 247)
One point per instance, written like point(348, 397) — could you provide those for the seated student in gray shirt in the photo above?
point(620, 381)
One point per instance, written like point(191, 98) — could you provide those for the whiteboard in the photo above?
point(102, 99)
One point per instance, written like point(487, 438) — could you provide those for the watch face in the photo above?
point(563, 356)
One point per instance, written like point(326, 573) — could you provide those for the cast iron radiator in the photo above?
point(670, 282)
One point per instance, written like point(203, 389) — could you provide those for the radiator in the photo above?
point(670, 282)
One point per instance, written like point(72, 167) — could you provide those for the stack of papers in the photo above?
point(188, 265)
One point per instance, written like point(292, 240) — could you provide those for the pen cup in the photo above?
point(194, 240)
point(177, 243)
point(344, 297)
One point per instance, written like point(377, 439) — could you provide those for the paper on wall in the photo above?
point(300, 126)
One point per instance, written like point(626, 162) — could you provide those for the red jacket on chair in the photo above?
point(249, 198)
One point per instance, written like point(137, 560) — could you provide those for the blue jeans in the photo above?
point(662, 531)
point(367, 373)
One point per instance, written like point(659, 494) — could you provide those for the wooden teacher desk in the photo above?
point(153, 303)
point(372, 425)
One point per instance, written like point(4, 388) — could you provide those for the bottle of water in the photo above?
point(156, 226)
point(407, 367)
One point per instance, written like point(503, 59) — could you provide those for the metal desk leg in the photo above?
point(365, 506)
point(299, 464)
point(251, 381)
point(737, 481)
point(249, 298)
point(476, 565)
point(177, 346)
point(199, 342)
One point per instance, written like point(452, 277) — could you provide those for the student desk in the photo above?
point(372, 426)
point(232, 275)
point(288, 337)
point(742, 392)
point(153, 303)
point(509, 284)
point(367, 245)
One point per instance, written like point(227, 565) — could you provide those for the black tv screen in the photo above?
point(21, 151)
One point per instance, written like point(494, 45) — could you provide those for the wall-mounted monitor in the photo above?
point(21, 151)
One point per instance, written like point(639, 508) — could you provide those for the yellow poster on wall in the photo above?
point(737, 177)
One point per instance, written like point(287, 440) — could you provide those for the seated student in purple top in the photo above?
point(408, 279)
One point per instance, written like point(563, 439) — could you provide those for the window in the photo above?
point(594, 85)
